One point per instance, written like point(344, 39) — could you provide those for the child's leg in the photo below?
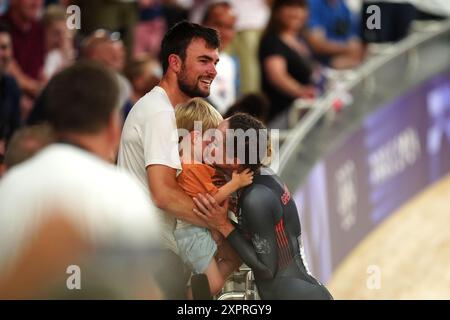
point(189, 294)
point(228, 259)
point(215, 278)
point(218, 271)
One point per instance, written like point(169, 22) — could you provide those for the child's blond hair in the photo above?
point(197, 109)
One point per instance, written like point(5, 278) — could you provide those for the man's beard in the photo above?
point(191, 90)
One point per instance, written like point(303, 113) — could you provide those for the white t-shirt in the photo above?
point(150, 136)
point(223, 88)
point(106, 205)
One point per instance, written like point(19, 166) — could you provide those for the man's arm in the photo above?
point(168, 196)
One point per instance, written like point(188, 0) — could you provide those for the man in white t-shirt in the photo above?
point(149, 143)
point(71, 224)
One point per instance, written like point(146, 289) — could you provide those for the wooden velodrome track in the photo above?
point(411, 251)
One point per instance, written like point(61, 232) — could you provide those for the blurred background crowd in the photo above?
point(272, 52)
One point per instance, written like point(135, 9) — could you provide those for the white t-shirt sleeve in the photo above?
point(160, 140)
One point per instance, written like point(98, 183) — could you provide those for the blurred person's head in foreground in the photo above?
point(189, 54)
point(83, 108)
point(81, 228)
point(254, 104)
point(26, 142)
point(221, 16)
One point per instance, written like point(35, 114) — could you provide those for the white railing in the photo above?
point(348, 79)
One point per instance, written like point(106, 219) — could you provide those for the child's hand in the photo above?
point(242, 179)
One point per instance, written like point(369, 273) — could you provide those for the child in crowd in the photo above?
point(197, 247)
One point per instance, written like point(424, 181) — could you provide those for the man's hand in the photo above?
point(215, 216)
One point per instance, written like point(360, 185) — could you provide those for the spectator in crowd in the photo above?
point(114, 15)
point(254, 104)
point(26, 142)
point(107, 49)
point(9, 92)
point(59, 41)
point(221, 16)
point(143, 74)
point(73, 210)
point(149, 31)
point(196, 8)
point(149, 143)
point(27, 34)
point(395, 19)
point(252, 18)
point(333, 34)
point(285, 63)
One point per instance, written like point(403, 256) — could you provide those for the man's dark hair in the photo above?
point(247, 122)
point(81, 98)
point(178, 38)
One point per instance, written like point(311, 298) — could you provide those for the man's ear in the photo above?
point(175, 62)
